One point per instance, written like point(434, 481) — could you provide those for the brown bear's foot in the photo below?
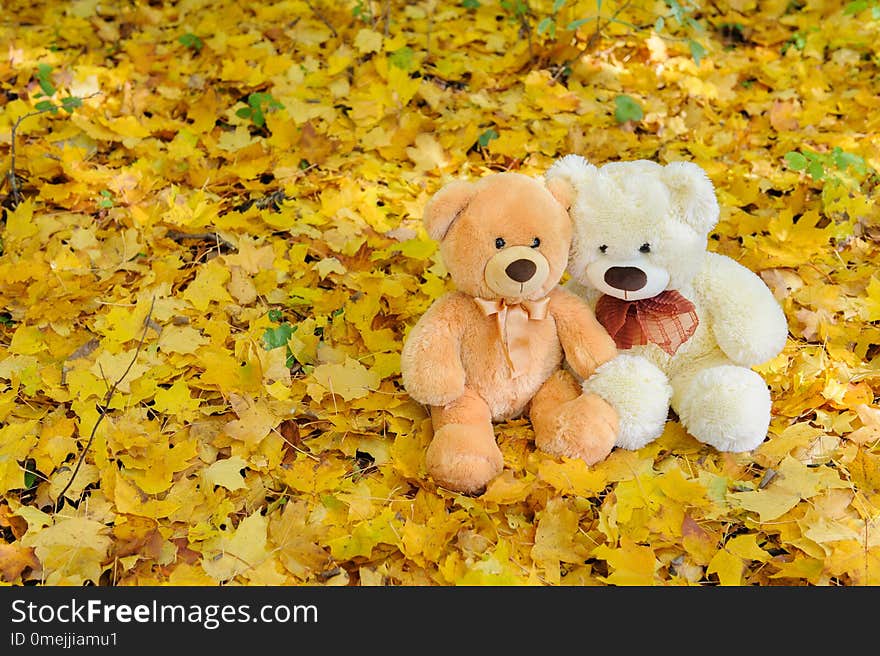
point(464, 457)
point(568, 423)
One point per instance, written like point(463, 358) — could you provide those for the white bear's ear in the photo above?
point(692, 193)
point(572, 170)
point(446, 205)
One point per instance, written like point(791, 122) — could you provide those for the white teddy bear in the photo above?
point(689, 323)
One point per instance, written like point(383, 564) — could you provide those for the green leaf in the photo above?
point(44, 72)
point(694, 24)
point(816, 170)
point(843, 160)
point(545, 24)
point(402, 58)
point(278, 336)
point(70, 103)
point(795, 161)
point(30, 479)
point(275, 315)
point(471, 4)
point(659, 23)
point(46, 106)
point(244, 112)
point(627, 109)
point(678, 11)
point(486, 137)
point(557, 5)
point(697, 51)
point(855, 7)
point(257, 98)
point(191, 41)
point(573, 25)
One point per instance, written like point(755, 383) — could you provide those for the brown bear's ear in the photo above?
point(446, 205)
point(563, 191)
point(693, 195)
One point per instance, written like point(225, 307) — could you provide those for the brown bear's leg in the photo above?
point(463, 455)
point(569, 423)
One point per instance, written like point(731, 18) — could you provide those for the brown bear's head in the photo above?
point(505, 236)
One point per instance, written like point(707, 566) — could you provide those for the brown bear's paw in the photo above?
point(464, 458)
point(585, 428)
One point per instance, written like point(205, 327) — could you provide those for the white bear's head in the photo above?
point(639, 227)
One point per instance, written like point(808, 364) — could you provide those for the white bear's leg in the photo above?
point(640, 393)
point(725, 406)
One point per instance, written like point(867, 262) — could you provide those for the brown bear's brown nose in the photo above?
point(521, 270)
point(627, 278)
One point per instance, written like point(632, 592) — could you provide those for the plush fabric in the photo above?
point(640, 234)
point(494, 348)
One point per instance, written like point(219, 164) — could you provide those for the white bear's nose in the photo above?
point(625, 277)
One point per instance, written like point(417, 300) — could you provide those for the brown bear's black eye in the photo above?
point(645, 248)
point(500, 243)
point(603, 248)
point(536, 242)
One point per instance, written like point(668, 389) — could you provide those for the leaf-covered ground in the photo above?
point(215, 258)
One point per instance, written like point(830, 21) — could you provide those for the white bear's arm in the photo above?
point(747, 321)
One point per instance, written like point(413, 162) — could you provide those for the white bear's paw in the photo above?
point(727, 407)
point(640, 393)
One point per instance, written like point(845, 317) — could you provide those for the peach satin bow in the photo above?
point(513, 325)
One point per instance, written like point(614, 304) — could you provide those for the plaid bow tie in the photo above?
point(667, 320)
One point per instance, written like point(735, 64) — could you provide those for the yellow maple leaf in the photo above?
point(72, 550)
point(176, 399)
point(349, 379)
point(555, 541)
point(237, 551)
point(181, 339)
point(367, 41)
point(794, 482)
point(226, 473)
point(629, 564)
point(209, 286)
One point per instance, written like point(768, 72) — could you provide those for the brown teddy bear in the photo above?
point(494, 348)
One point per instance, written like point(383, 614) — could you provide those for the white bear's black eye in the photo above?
point(500, 243)
point(536, 242)
point(603, 248)
point(645, 248)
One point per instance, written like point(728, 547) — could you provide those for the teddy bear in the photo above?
point(493, 349)
point(689, 323)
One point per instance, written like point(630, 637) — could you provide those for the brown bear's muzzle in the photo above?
point(517, 272)
point(521, 270)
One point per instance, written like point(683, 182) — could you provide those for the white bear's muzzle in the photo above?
point(630, 280)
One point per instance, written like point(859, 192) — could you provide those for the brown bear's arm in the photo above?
point(430, 361)
point(585, 342)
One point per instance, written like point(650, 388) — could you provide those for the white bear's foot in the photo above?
point(727, 407)
point(639, 392)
